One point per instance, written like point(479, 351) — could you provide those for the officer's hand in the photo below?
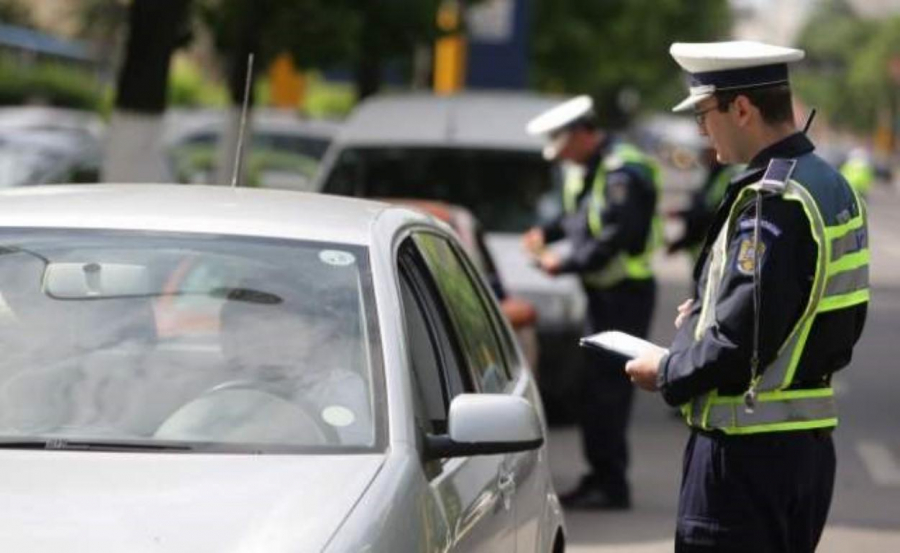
point(550, 262)
point(683, 310)
point(643, 370)
point(533, 241)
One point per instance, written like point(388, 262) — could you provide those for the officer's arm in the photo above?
point(720, 359)
point(553, 230)
point(626, 220)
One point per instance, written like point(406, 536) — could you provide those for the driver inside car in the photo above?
point(290, 345)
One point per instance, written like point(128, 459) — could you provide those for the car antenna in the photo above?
point(809, 120)
point(239, 154)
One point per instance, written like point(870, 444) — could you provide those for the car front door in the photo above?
point(497, 367)
point(474, 492)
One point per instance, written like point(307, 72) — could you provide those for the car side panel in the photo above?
point(399, 512)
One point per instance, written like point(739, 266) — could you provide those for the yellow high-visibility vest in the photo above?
point(841, 281)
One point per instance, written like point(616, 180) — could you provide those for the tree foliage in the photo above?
point(847, 71)
point(363, 36)
point(15, 12)
point(605, 47)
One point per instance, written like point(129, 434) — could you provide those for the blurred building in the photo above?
point(772, 21)
point(779, 22)
point(55, 16)
point(875, 8)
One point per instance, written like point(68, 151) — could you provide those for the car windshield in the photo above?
point(504, 189)
point(204, 342)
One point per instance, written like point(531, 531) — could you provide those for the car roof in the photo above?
point(494, 120)
point(194, 208)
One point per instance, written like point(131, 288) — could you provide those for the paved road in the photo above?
point(865, 513)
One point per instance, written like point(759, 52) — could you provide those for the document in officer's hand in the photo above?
point(620, 343)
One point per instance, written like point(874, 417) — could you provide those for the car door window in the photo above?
point(465, 304)
point(437, 370)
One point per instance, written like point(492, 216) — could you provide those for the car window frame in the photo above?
point(448, 351)
point(484, 296)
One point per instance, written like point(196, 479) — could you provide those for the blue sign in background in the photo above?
point(498, 45)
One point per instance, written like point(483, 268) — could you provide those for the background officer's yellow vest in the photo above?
point(714, 196)
point(859, 174)
point(841, 281)
point(624, 265)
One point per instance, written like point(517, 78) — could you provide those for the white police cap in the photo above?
point(735, 65)
point(557, 119)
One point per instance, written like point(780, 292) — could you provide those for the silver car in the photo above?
point(212, 369)
point(471, 149)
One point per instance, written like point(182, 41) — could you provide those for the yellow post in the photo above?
point(449, 49)
point(288, 85)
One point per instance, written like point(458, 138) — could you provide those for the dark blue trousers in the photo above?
point(605, 392)
point(762, 493)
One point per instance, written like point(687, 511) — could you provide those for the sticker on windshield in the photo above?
point(339, 416)
point(336, 258)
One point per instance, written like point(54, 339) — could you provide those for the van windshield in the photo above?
point(505, 190)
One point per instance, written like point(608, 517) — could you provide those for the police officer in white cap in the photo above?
point(780, 299)
point(609, 221)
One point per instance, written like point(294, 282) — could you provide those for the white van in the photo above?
point(470, 149)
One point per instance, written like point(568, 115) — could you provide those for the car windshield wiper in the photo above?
point(90, 445)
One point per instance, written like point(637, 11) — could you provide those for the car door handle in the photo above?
point(506, 483)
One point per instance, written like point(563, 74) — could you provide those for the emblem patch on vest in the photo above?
point(746, 260)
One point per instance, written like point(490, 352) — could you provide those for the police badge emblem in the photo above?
point(746, 259)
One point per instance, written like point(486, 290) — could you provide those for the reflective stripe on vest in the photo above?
point(840, 281)
point(573, 184)
point(623, 266)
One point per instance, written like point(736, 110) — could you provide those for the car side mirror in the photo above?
point(487, 424)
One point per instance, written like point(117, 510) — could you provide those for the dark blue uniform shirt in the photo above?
point(721, 359)
point(626, 216)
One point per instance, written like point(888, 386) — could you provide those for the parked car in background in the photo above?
point(472, 150)
point(284, 150)
point(41, 145)
point(360, 392)
point(35, 118)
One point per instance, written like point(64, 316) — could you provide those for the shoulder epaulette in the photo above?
point(777, 174)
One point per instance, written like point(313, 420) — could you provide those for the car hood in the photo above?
point(111, 502)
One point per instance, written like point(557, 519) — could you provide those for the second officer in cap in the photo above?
point(610, 221)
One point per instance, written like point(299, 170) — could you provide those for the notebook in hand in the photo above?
point(620, 343)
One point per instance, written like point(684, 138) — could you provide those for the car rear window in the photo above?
point(504, 189)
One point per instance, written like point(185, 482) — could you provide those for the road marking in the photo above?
point(883, 468)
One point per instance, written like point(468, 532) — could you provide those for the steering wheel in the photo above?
point(248, 411)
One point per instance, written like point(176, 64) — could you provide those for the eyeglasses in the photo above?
point(700, 116)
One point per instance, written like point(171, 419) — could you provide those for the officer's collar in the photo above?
point(791, 146)
point(603, 148)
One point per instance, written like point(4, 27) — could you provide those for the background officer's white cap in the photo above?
point(558, 119)
point(736, 65)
